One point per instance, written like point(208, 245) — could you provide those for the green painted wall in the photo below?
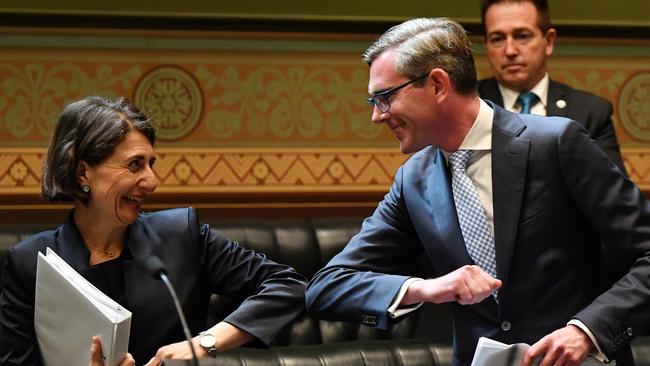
point(634, 13)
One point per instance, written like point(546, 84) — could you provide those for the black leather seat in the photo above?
point(411, 352)
point(422, 338)
point(307, 245)
point(12, 234)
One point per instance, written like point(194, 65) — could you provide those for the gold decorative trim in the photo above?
point(637, 164)
point(21, 170)
point(172, 98)
point(246, 170)
point(634, 104)
point(291, 172)
point(200, 170)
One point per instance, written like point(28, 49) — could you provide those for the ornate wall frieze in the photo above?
point(197, 100)
point(263, 170)
point(634, 106)
point(195, 170)
point(34, 92)
point(246, 117)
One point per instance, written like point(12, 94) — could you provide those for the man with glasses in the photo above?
point(510, 208)
point(380, 99)
point(518, 40)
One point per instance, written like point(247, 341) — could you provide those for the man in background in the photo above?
point(518, 40)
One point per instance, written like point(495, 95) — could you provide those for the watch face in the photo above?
point(207, 340)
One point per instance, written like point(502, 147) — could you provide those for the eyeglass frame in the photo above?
point(390, 92)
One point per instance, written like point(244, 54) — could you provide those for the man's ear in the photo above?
point(82, 173)
point(440, 82)
point(550, 36)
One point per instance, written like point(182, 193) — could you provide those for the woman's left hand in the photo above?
point(227, 335)
point(176, 351)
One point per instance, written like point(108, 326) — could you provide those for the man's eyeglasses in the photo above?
point(381, 99)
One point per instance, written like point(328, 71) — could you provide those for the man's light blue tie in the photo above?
point(526, 100)
point(471, 216)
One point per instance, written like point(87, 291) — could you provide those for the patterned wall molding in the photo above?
point(254, 119)
point(21, 171)
point(257, 98)
point(247, 170)
point(182, 171)
point(276, 170)
point(634, 105)
point(245, 99)
point(637, 164)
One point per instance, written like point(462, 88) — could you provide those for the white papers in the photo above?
point(492, 353)
point(70, 311)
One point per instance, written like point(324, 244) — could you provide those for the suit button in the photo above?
point(629, 331)
point(368, 320)
point(505, 325)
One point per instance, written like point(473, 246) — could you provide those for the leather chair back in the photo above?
point(307, 245)
point(402, 352)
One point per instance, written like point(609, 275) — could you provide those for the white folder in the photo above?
point(493, 353)
point(70, 311)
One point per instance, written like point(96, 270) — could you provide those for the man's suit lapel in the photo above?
point(509, 162)
point(556, 96)
point(445, 223)
point(444, 217)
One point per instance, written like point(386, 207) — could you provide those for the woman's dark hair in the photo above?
point(88, 130)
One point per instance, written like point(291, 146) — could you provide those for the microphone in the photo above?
point(157, 269)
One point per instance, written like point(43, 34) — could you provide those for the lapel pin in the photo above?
point(560, 103)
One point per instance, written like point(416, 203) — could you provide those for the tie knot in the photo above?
point(526, 100)
point(459, 159)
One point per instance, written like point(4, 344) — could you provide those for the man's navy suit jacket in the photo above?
point(592, 111)
point(199, 262)
point(556, 198)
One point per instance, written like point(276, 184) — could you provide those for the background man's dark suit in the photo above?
point(592, 111)
point(556, 196)
point(199, 262)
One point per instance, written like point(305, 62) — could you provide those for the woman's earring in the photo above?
point(85, 188)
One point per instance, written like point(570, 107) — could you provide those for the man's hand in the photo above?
point(466, 285)
point(564, 347)
point(97, 359)
point(177, 351)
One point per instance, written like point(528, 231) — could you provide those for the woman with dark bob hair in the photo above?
point(100, 158)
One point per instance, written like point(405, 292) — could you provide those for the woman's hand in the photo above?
point(228, 336)
point(177, 351)
point(97, 359)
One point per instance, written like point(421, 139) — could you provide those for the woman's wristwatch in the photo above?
point(208, 342)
